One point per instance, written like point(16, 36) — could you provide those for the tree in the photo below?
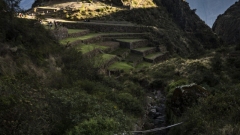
point(12, 6)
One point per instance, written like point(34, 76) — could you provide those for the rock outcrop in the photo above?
point(227, 25)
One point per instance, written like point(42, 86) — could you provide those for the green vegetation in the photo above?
point(67, 40)
point(89, 47)
point(101, 59)
point(75, 30)
point(153, 56)
point(129, 40)
point(143, 49)
point(120, 51)
point(46, 88)
point(143, 65)
point(120, 66)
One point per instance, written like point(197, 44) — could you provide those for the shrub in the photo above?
point(96, 126)
point(129, 104)
point(216, 115)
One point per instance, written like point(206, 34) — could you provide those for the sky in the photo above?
point(26, 4)
point(208, 10)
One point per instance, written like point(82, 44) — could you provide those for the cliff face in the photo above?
point(208, 10)
point(189, 22)
point(227, 25)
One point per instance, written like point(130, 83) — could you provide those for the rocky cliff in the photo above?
point(194, 28)
point(227, 25)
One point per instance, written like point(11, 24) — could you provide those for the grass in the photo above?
point(88, 36)
point(70, 31)
point(89, 47)
point(120, 51)
point(102, 58)
point(143, 49)
point(65, 41)
point(153, 56)
point(129, 40)
point(120, 66)
point(143, 64)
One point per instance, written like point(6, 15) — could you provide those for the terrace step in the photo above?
point(124, 36)
point(86, 39)
point(134, 58)
point(105, 27)
point(77, 32)
point(144, 50)
point(97, 37)
point(105, 60)
point(142, 65)
point(121, 52)
point(156, 57)
point(132, 43)
point(90, 50)
point(119, 66)
point(112, 46)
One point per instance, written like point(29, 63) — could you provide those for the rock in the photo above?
point(13, 49)
point(153, 110)
point(227, 25)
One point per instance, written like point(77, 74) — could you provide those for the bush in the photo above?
point(97, 126)
point(216, 115)
point(129, 104)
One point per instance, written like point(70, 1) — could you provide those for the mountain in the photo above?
point(227, 25)
point(98, 80)
point(208, 10)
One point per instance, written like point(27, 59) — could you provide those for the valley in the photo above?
point(107, 67)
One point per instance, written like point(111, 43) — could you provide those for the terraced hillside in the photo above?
point(114, 51)
point(114, 46)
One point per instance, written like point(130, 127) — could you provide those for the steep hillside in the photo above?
point(175, 25)
point(227, 25)
point(191, 24)
point(111, 73)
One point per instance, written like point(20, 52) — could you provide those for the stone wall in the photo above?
point(145, 52)
point(138, 44)
point(133, 45)
point(78, 34)
point(92, 53)
point(86, 41)
point(162, 57)
point(109, 62)
point(60, 33)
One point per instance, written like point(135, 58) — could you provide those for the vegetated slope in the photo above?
point(227, 25)
point(48, 89)
point(215, 113)
point(174, 24)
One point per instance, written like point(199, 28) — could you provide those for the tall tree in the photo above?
point(12, 6)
